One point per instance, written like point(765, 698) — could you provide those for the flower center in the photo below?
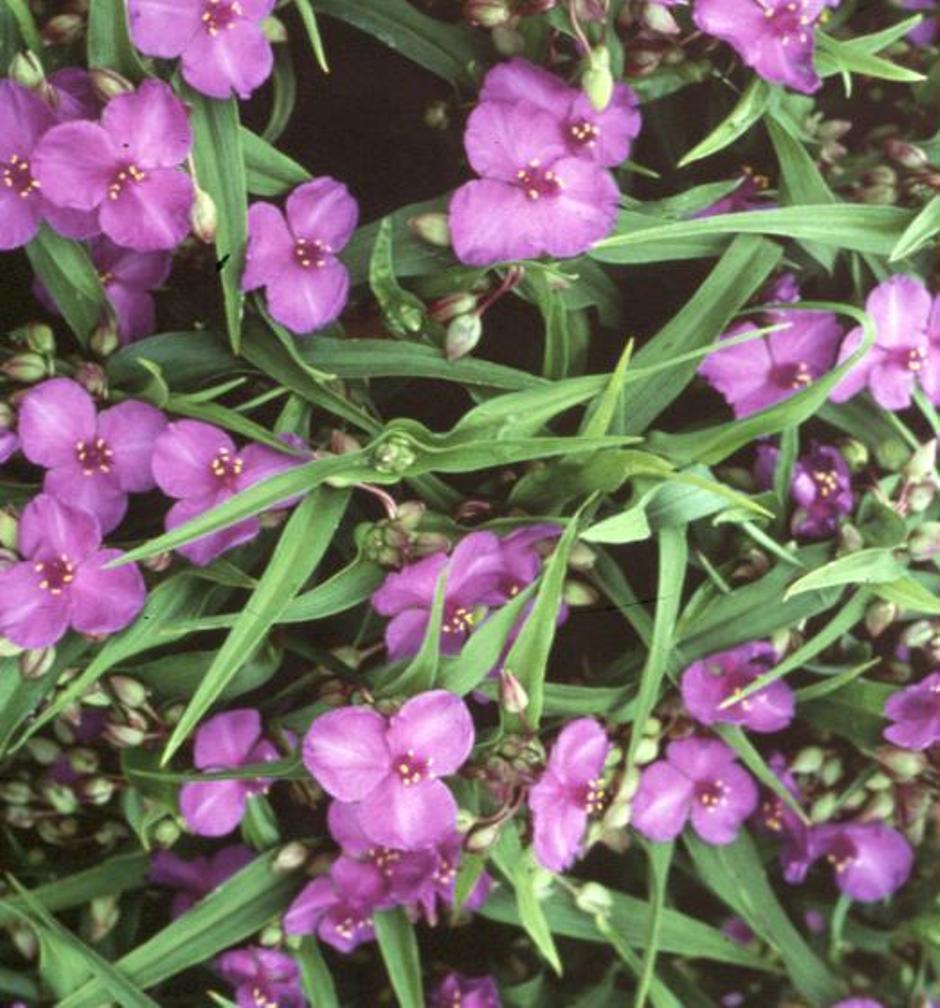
point(913, 359)
point(843, 854)
point(412, 769)
point(793, 376)
point(537, 182)
point(445, 872)
point(310, 253)
point(772, 811)
point(349, 925)
point(712, 794)
point(261, 999)
point(220, 14)
point(226, 466)
point(129, 173)
point(94, 456)
point(788, 20)
point(584, 133)
point(56, 574)
point(459, 620)
point(594, 796)
point(16, 175)
point(384, 858)
point(827, 483)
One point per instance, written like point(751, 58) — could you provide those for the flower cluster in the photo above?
point(540, 149)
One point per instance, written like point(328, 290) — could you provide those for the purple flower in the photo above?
point(24, 202)
point(870, 860)
point(765, 465)
point(749, 195)
point(75, 96)
point(916, 713)
point(900, 307)
point(475, 574)
point(928, 31)
point(221, 42)
point(195, 879)
point(441, 884)
point(822, 488)
point(604, 137)
point(62, 581)
point(930, 375)
point(200, 466)
point(522, 560)
point(699, 779)
point(762, 371)
point(776, 816)
point(858, 1002)
point(708, 683)
point(392, 766)
point(773, 37)
point(569, 790)
point(459, 991)
point(225, 742)
point(339, 907)
point(738, 931)
point(94, 460)
point(534, 198)
point(294, 259)
point(126, 168)
point(262, 977)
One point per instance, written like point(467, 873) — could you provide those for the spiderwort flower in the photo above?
point(294, 258)
point(822, 488)
point(475, 572)
point(698, 779)
point(128, 277)
point(225, 742)
point(195, 879)
point(199, 465)
point(773, 37)
point(392, 766)
point(522, 560)
point(900, 307)
point(221, 42)
point(24, 202)
point(860, 1002)
point(916, 713)
point(534, 198)
point(339, 906)
point(126, 168)
point(262, 977)
point(459, 991)
point(63, 580)
point(870, 860)
point(777, 816)
point(570, 789)
point(75, 96)
point(708, 683)
point(930, 376)
point(761, 371)
point(604, 137)
point(94, 460)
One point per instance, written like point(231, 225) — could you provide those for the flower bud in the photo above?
point(658, 18)
point(850, 539)
point(157, 563)
point(7, 416)
point(105, 339)
point(275, 31)
point(39, 338)
point(879, 616)
point(641, 61)
point(481, 838)
point(83, 760)
point(646, 751)
point(487, 13)
point(124, 736)
point(105, 912)
point(34, 664)
point(831, 771)
point(902, 764)
point(109, 84)
point(96, 790)
point(920, 497)
point(922, 464)
point(395, 455)
point(26, 70)
point(290, 857)
point(447, 308)
point(652, 727)
point(823, 808)
point(15, 793)
point(272, 935)
point(60, 797)
point(110, 833)
point(63, 29)
point(878, 782)
point(129, 691)
point(437, 116)
point(25, 940)
point(617, 817)
point(508, 41)
point(577, 593)
point(581, 557)
point(906, 154)
point(26, 367)
point(463, 334)
point(9, 529)
point(808, 760)
point(166, 833)
point(924, 541)
point(44, 751)
point(880, 807)
point(594, 899)
point(204, 217)
point(512, 694)
point(19, 816)
point(597, 82)
point(432, 228)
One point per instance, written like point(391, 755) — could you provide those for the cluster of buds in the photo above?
point(652, 38)
point(922, 636)
point(828, 133)
point(502, 13)
point(510, 769)
point(901, 172)
point(32, 360)
point(396, 541)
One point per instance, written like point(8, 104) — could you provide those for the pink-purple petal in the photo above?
point(53, 418)
point(150, 214)
point(225, 740)
point(408, 817)
point(213, 808)
point(182, 458)
point(130, 430)
point(96, 492)
point(206, 548)
point(304, 299)
point(580, 751)
point(163, 27)
point(662, 803)
point(149, 126)
point(50, 528)
point(437, 727)
point(19, 218)
point(237, 60)
point(30, 617)
point(75, 163)
point(104, 601)
point(721, 822)
point(346, 751)
point(502, 138)
point(324, 211)
point(270, 245)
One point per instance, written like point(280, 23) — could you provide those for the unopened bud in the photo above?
point(105, 339)
point(204, 217)
point(272, 935)
point(594, 899)
point(512, 694)
point(425, 543)
point(110, 833)
point(9, 529)
point(481, 838)
point(395, 455)
point(26, 70)
point(850, 539)
point(34, 664)
point(19, 816)
point(129, 691)
point(166, 833)
point(290, 857)
point(903, 764)
point(922, 464)
point(658, 18)
point(157, 563)
point(508, 41)
point(275, 31)
point(83, 760)
point(124, 736)
point(808, 760)
point(39, 338)
point(25, 940)
point(432, 228)
point(96, 790)
point(63, 29)
point(879, 807)
point(26, 367)
point(7, 416)
point(906, 154)
point(617, 817)
point(44, 751)
point(646, 751)
point(487, 13)
point(581, 557)
point(921, 496)
point(577, 593)
point(823, 808)
point(879, 616)
point(60, 797)
point(855, 453)
point(449, 307)
point(105, 912)
point(15, 793)
point(924, 542)
point(109, 84)
point(597, 82)
point(831, 771)
point(436, 116)
point(463, 334)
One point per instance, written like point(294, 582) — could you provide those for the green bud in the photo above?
point(823, 808)
point(109, 84)
point(880, 807)
point(923, 463)
point(395, 455)
point(878, 782)
point(447, 308)
point(906, 154)
point(272, 935)
point(9, 529)
point(850, 539)
point(26, 367)
point(36, 663)
point(891, 454)
point(40, 338)
point(617, 817)
point(903, 764)
point(808, 760)
point(105, 912)
point(25, 940)
point(487, 13)
point(124, 736)
point(204, 217)
point(597, 82)
point(921, 496)
point(463, 334)
point(508, 41)
point(63, 29)
point(44, 751)
point(879, 615)
point(166, 833)
point(594, 899)
point(7, 416)
point(432, 228)
point(924, 542)
point(26, 70)
point(577, 593)
point(855, 453)
point(92, 378)
point(481, 838)
point(96, 790)
point(275, 31)
point(290, 857)
point(581, 557)
point(436, 116)
point(83, 760)
point(854, 801)
point(15, 793)
point(129, 691)
point(512, 695)
point(105, 339)
point(19, 816)
point(831, 771)
point(60, 797)
point(653, 727)
point(646, 751)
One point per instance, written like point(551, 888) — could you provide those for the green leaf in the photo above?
point(660, 858)
point(109, 43)
point(403, 312)
point(220, 167)
point(920, 231)
point(315, 974)
point(284, 81)
point(867, 566)
point(300, 548)
point(908, 593)
point(313, 32)
point(268, 172)
point(27, 26)
point(520, 870)
point(735, 874)
point(750, 107)
point(399, 947)
point(71, 279)
point(241, 906)
point(834, 56)
point(752, 759)
point(446, 50)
